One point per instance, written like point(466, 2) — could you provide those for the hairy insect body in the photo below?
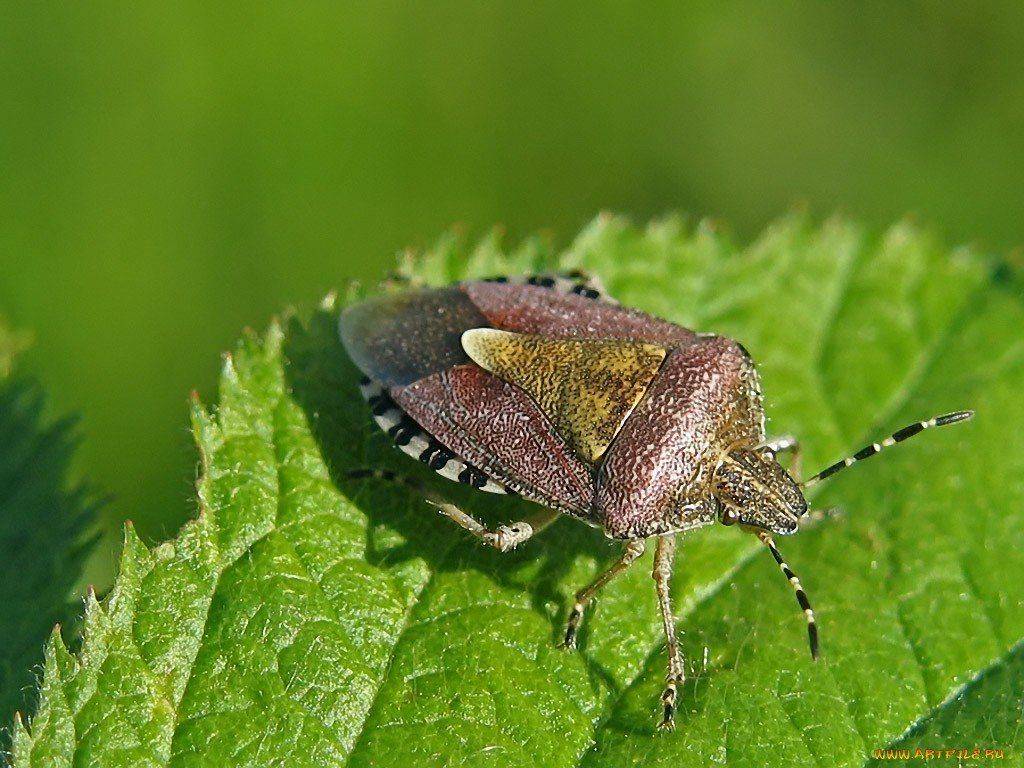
point(546, 388)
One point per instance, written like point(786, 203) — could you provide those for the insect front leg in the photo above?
point(816, 516)
point(787, 444)
point(633, 550)
point(664, 554)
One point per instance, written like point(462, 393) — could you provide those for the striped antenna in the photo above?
point(801, 596)
point(896, 437)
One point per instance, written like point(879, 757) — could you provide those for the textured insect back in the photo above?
point(896, 437)
point(753, 397)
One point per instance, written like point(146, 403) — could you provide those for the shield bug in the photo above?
point(545, 387)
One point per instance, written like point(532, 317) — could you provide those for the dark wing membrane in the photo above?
point(497, 427)
point(539, 310)
point(403, 337)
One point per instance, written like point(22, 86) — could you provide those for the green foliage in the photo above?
point(306, 619)
point(984, 715)
point(42, 524)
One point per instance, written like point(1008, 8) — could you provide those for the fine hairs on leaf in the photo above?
point(305, 618)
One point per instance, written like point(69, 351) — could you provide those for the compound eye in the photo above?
point(729, 516)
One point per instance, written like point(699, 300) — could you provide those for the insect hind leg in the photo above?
point(504, 538)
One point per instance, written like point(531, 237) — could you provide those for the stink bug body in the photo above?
point(546, 388)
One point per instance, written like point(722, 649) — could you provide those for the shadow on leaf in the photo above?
point(42, 549)
point(324, 382)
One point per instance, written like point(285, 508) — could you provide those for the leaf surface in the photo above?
point(306, 619)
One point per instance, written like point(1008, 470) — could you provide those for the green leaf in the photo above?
point(985, 715)
point(307, 619)
point(43, 520)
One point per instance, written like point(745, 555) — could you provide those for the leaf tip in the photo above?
point(50, 654)
point(329, 302)
point(203, 426)
point(133, 550)
point(227, 368)
point(21, 742)
point(274, 337)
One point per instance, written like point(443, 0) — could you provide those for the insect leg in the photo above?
point(664, 555)
point(505, 538)
point(634, 549)
point(786, 444)
point(815, 516)
point(782, 444)
point(801, 596)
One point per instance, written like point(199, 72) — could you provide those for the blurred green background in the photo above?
point(172, 172)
